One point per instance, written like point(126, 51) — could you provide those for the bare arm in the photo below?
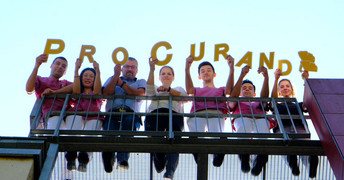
point(274, 93)
point(98, 83)
point(76, 84)
point(230, 80)
point(305, 76)
point(67, 89)
point(152, 64)
point(30, 84)
point(237, 88)
point(188, 81)
point(111, 86)
point(265, 89)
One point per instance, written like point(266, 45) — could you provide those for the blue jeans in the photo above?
point(128, 122)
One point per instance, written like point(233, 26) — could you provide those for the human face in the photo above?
point(58, 68)
point(166, 76)
point(88, 79)
point(285, 89)
point(247, 90)
point(206, 73)
point(129, 70)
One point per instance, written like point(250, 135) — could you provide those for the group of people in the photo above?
point(88, 83)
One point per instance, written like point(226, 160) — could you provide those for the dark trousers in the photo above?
point(121, 122)
point(161, 123)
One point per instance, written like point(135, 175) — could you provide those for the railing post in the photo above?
point(170, 129)
point(280, 124)
point(202, 166)
point(63, 112)
point(49, 162)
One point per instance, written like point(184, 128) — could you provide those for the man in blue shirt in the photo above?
point(127, 84)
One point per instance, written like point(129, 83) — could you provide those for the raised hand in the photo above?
point(96, 66)
point(263, 70)
point(117, 70)
point(230, 61)
point(277, 73)
point(40, 59)
point(245, 70)
point(152, 63)
point(189, 61)
point(305, 74)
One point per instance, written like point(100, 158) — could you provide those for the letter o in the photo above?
point(125, 54)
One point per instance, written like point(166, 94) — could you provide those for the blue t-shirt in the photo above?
point(131, 103)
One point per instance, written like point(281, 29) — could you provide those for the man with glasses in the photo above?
point(127, 84)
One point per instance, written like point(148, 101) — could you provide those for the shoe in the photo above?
point(122, 165)
point(108, 161)
point(258, 164)
point(218, 159)
point(159, 162)
point(245, 162)
point(83, 157)
point(313, 161)
point(71, 165)
point(292, 160)
point(168, 176)
point(82, 167)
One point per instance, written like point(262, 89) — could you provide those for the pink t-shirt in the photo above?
point(210, 92)
point(85, 105)
point(43, 83)
point(246, 109)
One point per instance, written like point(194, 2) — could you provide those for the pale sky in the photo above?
point(257, 26)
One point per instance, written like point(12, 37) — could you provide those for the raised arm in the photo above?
point(76, 84)
point(152, 63)
point(305, 76)
point(97, 83)
point(111, 86)
point(188, 81)
point(265, 89)
point(274, 93)
point(30, 84)
point(237, 88)
point(230, 80)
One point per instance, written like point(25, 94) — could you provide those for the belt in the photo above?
point(125, 109)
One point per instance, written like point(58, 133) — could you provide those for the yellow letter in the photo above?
point(280, 65)
point(247, 59)
point(155, 49)
point(269, 63)
point(307, 61)
point(223, 52)
point(48, 49)
point(201, 51)
point(89, 54)
point(125, 54)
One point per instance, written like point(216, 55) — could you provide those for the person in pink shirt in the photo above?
point(88, 83)
point(207, 74)
point(249, 123)
point(49, 85)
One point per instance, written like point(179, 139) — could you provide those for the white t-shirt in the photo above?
point(177, 106)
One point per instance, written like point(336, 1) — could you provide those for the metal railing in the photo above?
point(143, 142)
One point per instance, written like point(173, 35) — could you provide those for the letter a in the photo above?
point(247, 59)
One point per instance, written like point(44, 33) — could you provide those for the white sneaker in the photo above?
point(82, 167)
point(122, 166)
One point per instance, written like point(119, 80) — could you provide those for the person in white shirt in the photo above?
point(161, 122)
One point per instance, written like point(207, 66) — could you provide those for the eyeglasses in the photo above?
point(128, 67)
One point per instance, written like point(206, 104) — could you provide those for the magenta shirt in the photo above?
point(210, 92)
point(246, 109)
point(43, 83)
point(85, 105)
